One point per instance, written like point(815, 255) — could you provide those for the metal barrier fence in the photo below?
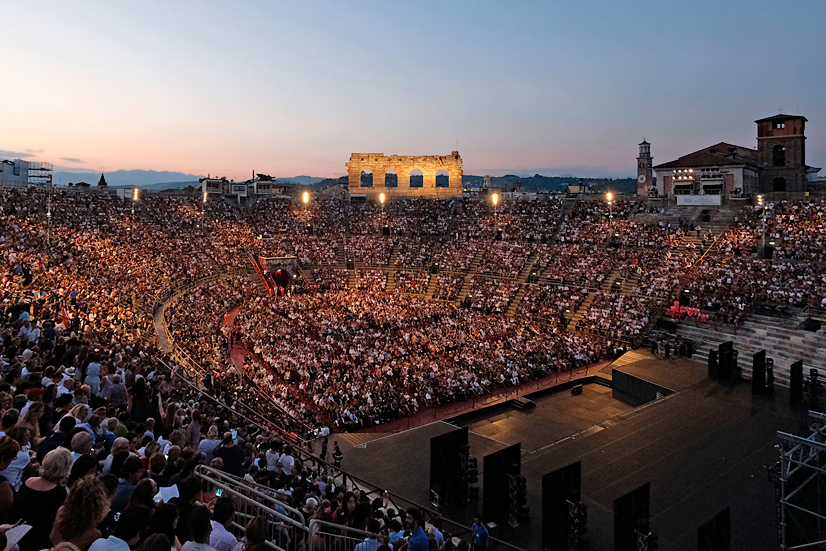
point(286, 525)
point(326, 536)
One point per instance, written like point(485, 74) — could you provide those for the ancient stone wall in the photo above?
point(380, 164)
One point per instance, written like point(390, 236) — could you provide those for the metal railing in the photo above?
point(285, 525)
point(326, 536)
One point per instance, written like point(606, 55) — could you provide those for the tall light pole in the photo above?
point(763, 208)
point(495, 200)
point(204, 197)
point(382, 199)
point(136, 195)
point(305, 198)
point(49, 213)
point(610, 198)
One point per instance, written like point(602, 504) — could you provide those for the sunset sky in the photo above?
point(290, 88)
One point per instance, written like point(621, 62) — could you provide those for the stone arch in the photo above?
point(391, 178)
point(366, 178)
point(387, 168)
point(442, 178)
point(416, 178)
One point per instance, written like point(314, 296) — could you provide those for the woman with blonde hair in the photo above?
point(31, 421)
point(40, 497)
point(85, 508)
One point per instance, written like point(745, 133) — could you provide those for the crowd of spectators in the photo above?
point(412, 281)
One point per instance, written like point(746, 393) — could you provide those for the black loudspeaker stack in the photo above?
point(796, 384)
point(758, 372)
point(713, 371)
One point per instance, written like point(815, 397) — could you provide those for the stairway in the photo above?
point(580, 311)
point(390, 284)
point(517, 299)
point(431, 286)
point(341, 258)
point(307, 275)
point(608, 282)
point(351, 279)
point(777, 336)
point(526, 269)
point(471, 271)
point(630, 283)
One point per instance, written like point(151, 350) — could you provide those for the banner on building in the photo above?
point(698, 200)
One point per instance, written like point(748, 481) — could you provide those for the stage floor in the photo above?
point(703, 448)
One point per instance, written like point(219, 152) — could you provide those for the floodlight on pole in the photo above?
point(305, 197)
point(204, 197)
point(610, 197)
point(382, 198)
point(495, 199)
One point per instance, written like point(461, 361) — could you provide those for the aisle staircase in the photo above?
point(526, 269)
point(580, 311)
point(471, 271)
point(517, 299)
point(390, 284)
point(351, 279)
point(776, 335)
point(431, 286)
point(341, 257)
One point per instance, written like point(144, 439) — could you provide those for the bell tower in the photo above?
point(645, 176)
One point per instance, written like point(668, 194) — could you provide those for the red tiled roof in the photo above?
point(782, 117)
point(722, 154)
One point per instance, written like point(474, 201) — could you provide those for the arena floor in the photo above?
point(705, 447)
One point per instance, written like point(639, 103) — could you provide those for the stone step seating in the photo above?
point(472, 269)
point(431, 286)
point(580, 311)
point(390, 284)
point(351, 279)
point(526, 269)
point(777, 336)
point(341, 259)
point(517, 299)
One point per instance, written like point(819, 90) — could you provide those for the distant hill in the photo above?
point(301, 180)
point(128, 178)
point(165, 185)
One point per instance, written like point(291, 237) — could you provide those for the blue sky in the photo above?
point(294, 88)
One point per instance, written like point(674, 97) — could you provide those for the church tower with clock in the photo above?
point(645, 174)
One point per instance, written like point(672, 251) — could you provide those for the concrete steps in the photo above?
point(580, 311)
point(783, 343)
point(390, 285)
point(526, 269)
point(431, 286)
point(351, 279)
point(517, 298)
point(471, 271)
point(341, 257)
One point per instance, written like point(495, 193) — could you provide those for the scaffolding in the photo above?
point(40, 173)
point(800, 478)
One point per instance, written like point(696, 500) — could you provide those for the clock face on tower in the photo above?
point(641, 178)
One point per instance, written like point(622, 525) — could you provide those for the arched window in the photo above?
point(779, 155)
point(366, 178)
point(416, 178)
point(442, 178)
point(391, 178)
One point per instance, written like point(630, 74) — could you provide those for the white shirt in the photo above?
point(272, 460)
point(14, 472)
point(109, 544)
point(220, 538)
point(287, 463)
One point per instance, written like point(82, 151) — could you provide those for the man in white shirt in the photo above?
point(287, 462)
point(200, 528)
point(128, 532)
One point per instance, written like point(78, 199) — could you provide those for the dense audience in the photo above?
point(94, 422)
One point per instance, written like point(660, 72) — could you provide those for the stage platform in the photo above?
point(704, 447)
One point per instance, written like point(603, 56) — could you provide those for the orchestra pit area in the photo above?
point(247, 348)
